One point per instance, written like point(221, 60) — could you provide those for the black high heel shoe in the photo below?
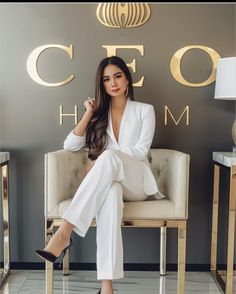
point(46, 255)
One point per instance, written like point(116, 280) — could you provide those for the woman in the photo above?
point(118, 133)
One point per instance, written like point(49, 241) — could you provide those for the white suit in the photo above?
point(121, 172)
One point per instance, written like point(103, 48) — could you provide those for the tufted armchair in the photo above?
point(64, 173)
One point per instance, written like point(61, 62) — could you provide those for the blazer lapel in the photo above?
point(122, 123)
point(109, 127)
point(124, 118)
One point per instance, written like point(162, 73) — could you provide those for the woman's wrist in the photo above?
point(88, 113)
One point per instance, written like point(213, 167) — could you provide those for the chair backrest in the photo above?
point(63, 174)
point(171, 171)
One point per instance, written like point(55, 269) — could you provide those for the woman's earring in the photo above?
point(127, 92)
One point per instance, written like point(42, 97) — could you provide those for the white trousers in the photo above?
point(114, 177)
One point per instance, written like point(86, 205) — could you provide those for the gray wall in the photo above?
point(30, 112)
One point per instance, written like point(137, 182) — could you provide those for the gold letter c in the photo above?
point(33, 69)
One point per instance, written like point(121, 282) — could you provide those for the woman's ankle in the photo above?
point(107, 287)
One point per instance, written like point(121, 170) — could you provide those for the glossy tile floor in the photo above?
point(85, 282)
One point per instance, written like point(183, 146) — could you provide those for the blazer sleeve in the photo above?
point(141, 148)
point(74, 142)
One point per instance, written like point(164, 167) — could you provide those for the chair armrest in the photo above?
point(63, 175)
point(171, 170)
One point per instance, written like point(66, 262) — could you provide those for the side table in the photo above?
point(226, 160)
point(4, 163)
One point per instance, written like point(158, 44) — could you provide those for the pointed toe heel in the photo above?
point(46, 255)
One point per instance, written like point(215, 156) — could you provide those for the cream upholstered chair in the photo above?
point(64, 173)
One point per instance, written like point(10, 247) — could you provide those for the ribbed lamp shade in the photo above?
point(225, 87)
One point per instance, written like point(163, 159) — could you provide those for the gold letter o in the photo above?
point(176, 60)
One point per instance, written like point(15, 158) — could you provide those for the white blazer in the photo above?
point(136, 133)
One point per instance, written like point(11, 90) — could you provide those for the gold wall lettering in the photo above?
point(167, 110)
point(127, 15)
point(75, 114)
point(111, 50)
point(176, 62)
point(32, 64)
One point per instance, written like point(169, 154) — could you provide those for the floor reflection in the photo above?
point(85, 282)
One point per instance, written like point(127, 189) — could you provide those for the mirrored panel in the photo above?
point(4, 216)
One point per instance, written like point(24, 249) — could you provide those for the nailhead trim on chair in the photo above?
point(46, 185)
point(131, 218)
point(187, 184)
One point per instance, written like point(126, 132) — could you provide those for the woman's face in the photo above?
point(114, 81)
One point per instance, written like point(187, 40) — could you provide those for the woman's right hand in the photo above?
point(90, 105)
point(88, 114)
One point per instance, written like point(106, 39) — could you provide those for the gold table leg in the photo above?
point(231, 232)
point(5, 215)
point(225, 280)
point(215, 208)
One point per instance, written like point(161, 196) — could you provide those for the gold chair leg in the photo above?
point(181, 257)
point(231, 232)
point(49, 277)
point(163, 231)
point(49, 270)
point(66, 264)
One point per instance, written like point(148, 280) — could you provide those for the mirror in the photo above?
point(4, 245)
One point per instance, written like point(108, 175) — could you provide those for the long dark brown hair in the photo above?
point(96, 137)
